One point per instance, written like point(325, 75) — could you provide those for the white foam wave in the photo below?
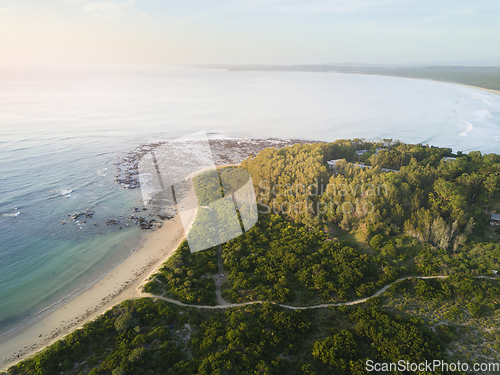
point(101, 172)
point(487, 102)
point(485, 114)
point(14, 214)
point(467, 130)
point(60, 193)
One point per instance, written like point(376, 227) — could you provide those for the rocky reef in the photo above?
point(78, 215)
point(225, 151)
point(151, 223)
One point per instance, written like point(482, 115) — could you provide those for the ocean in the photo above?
point(61, 134)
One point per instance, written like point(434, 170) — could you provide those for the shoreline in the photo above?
point(492, 91)
point(120, 284)
point(495, 92)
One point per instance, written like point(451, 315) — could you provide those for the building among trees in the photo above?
point(332, 164)
point(495, 220)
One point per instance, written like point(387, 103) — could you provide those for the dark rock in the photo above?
point(165, 217)
point(78, 215)
point(145, 224)
point(225, 151)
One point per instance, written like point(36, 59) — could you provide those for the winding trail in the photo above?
point(355, 302)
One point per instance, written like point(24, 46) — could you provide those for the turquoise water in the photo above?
point(45, 177)
point(60, 135)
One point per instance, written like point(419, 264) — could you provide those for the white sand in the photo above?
point(496, 92)
point(120, 284)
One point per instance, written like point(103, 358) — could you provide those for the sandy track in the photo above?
point(350, 303)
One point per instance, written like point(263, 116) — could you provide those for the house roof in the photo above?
point(495, 217)
point(333, 162)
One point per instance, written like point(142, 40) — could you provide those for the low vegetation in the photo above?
point(160, 338)
point(415, 320)
point(426, 217)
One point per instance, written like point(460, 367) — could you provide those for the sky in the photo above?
point(157, 33)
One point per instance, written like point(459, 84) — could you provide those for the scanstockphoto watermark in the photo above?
point(333, 197)
point(311, 207)
point(319, 188)
point(430, 366)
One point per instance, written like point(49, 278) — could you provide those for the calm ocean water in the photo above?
point(60, 135)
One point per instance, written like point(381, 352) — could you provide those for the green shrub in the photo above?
point(376, 241)
point(124, 322)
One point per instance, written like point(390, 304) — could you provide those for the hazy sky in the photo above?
point(152, 33)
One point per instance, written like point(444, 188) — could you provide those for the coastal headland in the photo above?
point(125, 280)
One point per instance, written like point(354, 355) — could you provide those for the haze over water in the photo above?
point(60, 135)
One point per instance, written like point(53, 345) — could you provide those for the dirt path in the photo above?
point(227, 305)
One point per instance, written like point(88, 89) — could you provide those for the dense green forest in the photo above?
point(426, 198)
point(184, 277)
point(299, 265)
point(323, 236)
point(276, 261)
point(428, 218)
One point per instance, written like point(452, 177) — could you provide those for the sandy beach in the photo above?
point(496, 92)
point(120, 284)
